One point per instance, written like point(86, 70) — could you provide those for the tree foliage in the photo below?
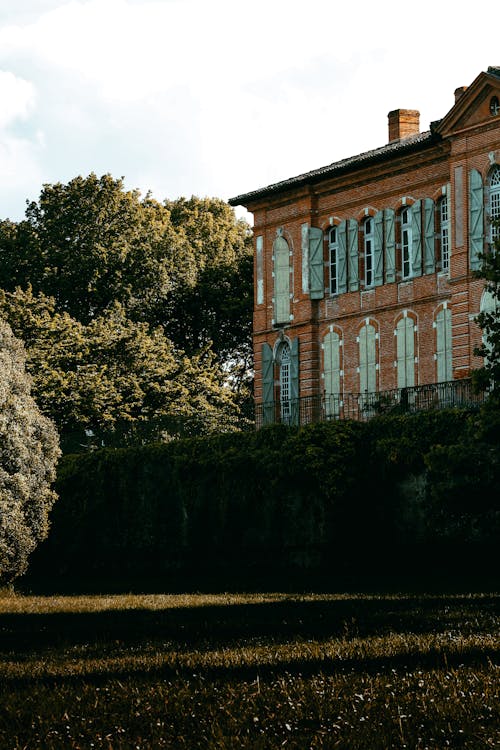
point(489, 322)
point(133, 312)
point(29, 450)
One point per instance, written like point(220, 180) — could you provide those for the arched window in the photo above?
point(284, 380)
point(494, 207)
point(333, 248)
point(406, 243)
point(367, 359)
point(442, 324)
point(368, 242)
point(281, 254)
point(332, 372)
point(405, 352)
point(444, 232)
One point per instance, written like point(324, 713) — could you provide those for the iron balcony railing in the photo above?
point(363, 406)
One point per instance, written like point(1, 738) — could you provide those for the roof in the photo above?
point(405, 145)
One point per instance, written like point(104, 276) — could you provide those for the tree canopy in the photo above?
point(133, 312)
point(29, 450)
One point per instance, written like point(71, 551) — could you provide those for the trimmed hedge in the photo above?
point(236, 507)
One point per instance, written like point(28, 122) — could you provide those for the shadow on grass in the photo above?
point(189, 627)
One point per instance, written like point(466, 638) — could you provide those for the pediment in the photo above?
point(477, 106)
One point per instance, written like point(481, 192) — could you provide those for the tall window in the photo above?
point(333, 247)
point(444, 233)
point(281, 281)
point(406, 243)
point(369, 251)
point(494, 205)
point(443, 345)
point(332, 372)
point(367, 359)
point(285, 361)
point(405, 345)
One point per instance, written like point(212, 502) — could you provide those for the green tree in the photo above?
point(28, 456)
point(489, 322)
point(115, 380)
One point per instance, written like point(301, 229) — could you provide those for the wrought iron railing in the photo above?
point(363, 406)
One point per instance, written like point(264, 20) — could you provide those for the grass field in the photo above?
point(257, 671)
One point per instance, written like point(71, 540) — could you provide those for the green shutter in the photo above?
point(390, 246)
point(267, 384)
point(342, 258)
point(281, 281)
point(331, 372)
point(405, 341)
point(367, 359)
point(476, 219)
point(416, 238)
point(316, 263)
point(294, 382)
point(443, 345)
point(352, 244)
point(429, 236)
point(378, 250)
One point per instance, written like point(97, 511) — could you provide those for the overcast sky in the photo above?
point(219, 97)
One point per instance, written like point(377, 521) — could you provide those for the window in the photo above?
point(406, 243)
point(367, 359)
point(444, 233)
point(285, 362)
point(494, 208)
point(405, 345)
point(281, 281)
point(444, 369)
point(332, 373)
point(369, 251)
point(333, 247)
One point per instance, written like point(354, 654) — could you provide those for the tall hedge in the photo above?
point(321, 497)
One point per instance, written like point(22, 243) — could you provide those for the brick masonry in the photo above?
point(409, 169)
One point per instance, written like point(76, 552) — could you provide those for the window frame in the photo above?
point(406, 243)
point(333, 259)
point(369, 251)
point(444, 232)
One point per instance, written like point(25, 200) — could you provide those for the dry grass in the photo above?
point(256, 671)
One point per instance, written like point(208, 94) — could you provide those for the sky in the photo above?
point(219, 97)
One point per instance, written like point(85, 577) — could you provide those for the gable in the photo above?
point(475, 106)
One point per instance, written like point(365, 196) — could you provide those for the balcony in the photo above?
point(458, 394)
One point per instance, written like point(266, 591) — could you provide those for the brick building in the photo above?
point(363, 268)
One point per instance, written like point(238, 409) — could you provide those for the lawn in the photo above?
point(250, 671)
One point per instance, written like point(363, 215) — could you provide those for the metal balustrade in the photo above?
point(363, 406)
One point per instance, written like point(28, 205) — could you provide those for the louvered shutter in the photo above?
point(416, 241)
point(331, 371)
point(281, 281)
point(367, 359)
point(378, 250)
point(267, 384)
point(294, 382)
point(390, 246)
point(405, 342)
point(352, 244)
point(429, 236)
point(316, 263)
point(443, 345)
point(342, 258)
point(476, 219)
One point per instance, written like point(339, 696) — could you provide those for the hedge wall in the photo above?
point(329, 498)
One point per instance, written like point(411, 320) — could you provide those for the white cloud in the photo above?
point(17, 97)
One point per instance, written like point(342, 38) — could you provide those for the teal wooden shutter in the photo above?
point(405, 341)
point(281, 281)
point(429, 236)
point(416, 239)
point(443, 345)
point(331, 372)
point(476, 219)
point(352, 244)
point(378, 250)
point(390, 246)
point(316, 264)
point(342, 258)
point(367, 359)
point(267, 384)
point(294, 382)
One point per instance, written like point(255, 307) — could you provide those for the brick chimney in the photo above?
point(403, 123)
